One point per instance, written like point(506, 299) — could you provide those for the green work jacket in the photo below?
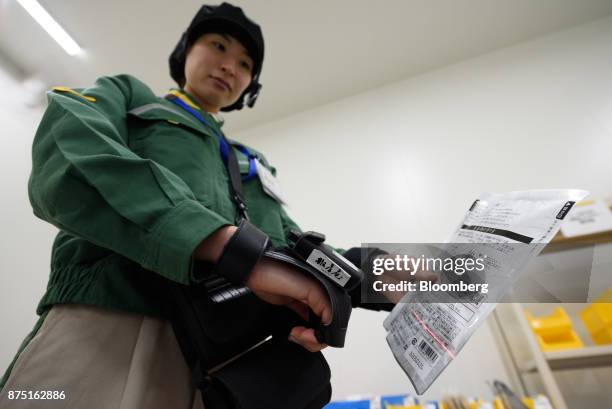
point(134, 183)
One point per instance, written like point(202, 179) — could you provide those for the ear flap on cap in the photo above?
point(250, 94)
point(177, 61)
point(253, 94)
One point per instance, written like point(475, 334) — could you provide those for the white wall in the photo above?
point(404, 162)
point(399, 163)
point(25, 240)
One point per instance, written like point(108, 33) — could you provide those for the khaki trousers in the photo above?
point(101, 359)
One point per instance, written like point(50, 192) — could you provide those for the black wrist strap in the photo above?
point(241, 253)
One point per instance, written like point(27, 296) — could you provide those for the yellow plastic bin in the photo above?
point(597, 318)
point(555, 331)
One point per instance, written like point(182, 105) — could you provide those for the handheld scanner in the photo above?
point(310, 248)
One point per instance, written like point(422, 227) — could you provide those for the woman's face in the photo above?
point(217, 71)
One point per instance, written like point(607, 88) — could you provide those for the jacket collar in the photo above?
point(191, 101)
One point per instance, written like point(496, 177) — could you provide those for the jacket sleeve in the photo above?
point(288, 223)
point(364, 295)
point(85, 180)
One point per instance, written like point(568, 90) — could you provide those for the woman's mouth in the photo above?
point(221, 83)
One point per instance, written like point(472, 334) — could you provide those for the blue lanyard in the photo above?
point(224, 147)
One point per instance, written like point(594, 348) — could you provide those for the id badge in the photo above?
point(270, 183)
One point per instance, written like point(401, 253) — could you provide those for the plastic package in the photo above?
point(426, 330)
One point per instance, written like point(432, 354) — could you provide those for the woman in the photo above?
point(138, 186)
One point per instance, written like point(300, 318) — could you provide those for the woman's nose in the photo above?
point(228, 65)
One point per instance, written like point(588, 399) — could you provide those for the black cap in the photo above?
point(222, 19)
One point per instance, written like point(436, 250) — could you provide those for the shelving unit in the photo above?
point(540, 362)
point(545, 363)
point(587, 357)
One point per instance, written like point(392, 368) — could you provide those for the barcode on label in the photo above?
point(428, 351)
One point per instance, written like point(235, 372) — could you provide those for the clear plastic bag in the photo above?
point(426, 330)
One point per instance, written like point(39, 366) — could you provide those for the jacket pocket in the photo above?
point(191, 155)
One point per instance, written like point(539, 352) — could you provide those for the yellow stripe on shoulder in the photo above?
point(71, 91)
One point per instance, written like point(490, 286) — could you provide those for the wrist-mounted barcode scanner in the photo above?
point(306, 253)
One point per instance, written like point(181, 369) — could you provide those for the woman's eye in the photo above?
point(218, 46)
point(246, 65)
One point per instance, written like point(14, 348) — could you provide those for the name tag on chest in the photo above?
point(270, 183)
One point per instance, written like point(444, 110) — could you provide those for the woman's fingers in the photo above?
point(277, 283)
point(318, 302)
point(423, 275)
point(392, 296)
point(300, 309)
point(306, 338)
point(303, 289)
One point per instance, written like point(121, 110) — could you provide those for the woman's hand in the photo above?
point(395, 277)
point(279, 284)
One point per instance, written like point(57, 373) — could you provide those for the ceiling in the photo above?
point(316, 51)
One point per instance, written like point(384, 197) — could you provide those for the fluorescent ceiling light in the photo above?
point(51, 26)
